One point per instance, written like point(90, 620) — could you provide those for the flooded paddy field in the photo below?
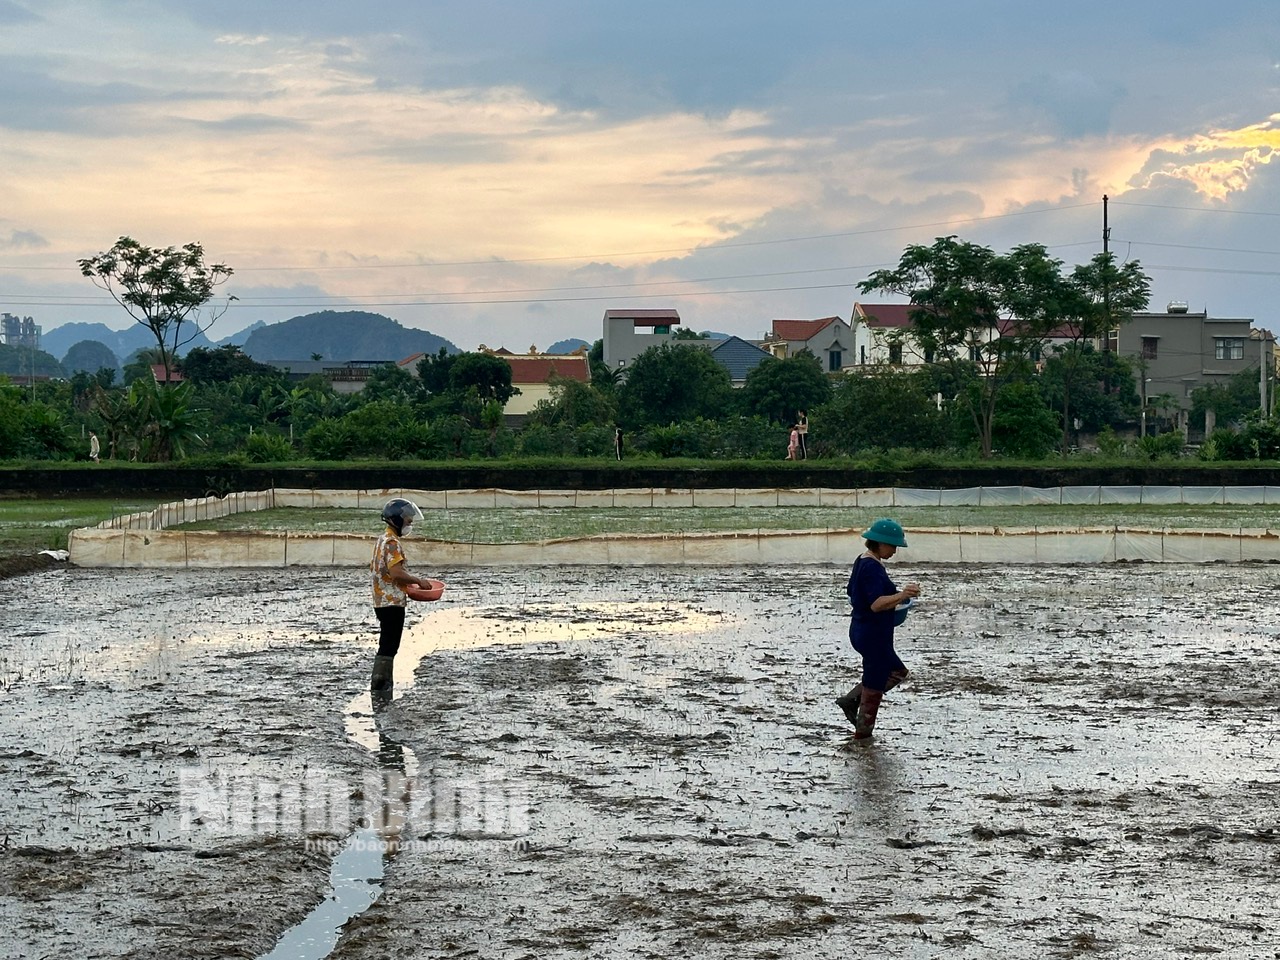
point(641, 762)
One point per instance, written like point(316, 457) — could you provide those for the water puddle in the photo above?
point(358, 868)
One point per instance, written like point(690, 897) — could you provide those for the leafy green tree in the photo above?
point(90, 356)
point(139, 365)
point(1104, 392)
point(434, 370)
point(30, 429)
point(389, 382)
point(881, 410)
point(574, 404)
point(674, 383)
point(778, 390)
point(1231, 401)
point(973, 307)
point(164, 289)
point(1100, 297)
point(485, 375)
point(221, 365)
point(1024, 426)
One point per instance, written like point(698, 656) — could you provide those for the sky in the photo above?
point(503, 173)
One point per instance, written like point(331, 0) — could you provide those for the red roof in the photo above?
point(884, 314)
point(157, 371)
point(541, 368)
point(801, 329)
point(645, 318)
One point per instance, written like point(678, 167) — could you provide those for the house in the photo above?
point(1178, 350)
point(629, 333)
point(829, 339)
point(534, 374)
point(159, 374)
point(736, 355)
point(346, 377)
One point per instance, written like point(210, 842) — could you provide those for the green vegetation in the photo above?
point(525, 525)
point(1007, 369)
point(28, 526)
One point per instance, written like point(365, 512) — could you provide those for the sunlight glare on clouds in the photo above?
point(1218, 163)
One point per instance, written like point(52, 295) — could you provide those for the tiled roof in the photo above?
point(157, 371)
point(738, 356)
point(800, 329)
point(884, 314)
point(539, 369)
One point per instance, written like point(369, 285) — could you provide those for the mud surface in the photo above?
point(645, 762)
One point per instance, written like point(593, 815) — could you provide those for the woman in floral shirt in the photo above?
point(390, 576)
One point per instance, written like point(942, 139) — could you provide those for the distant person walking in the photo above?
point(793, 445)
point(93, 447)
point(874, 597)
point(617, 442)
point(802, 427)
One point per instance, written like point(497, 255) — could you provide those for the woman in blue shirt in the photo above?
point(874, 597)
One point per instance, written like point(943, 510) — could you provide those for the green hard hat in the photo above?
point(886, 531)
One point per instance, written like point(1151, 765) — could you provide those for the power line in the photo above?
point(414, 299)
point(499, 261)
point(1169, 206)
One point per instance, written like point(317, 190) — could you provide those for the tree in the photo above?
point(90, 356)
point(883, 409)
point(1103, 392)
point(778, 390)
point(574, 404)
point(161, 288)
point(1104, 298)
point(489, 376)
point(975, 308)
point(169, 419)
point(221, 365)
point(1231, 401)
point(672, 383)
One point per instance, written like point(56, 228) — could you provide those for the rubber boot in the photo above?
point(380, 681)
point(896, 678)
point(849, 704)
point(867, 710)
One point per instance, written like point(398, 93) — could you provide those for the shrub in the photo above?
point(264, 447)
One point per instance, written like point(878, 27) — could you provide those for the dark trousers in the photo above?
point(878, 661)
point(391, 622)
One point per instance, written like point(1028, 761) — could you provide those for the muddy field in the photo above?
point(593, 762)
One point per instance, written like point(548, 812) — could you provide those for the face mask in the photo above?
point(408, 528)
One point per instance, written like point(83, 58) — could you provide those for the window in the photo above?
point(928, 354)
point(975, 353)
point(835, 359)
point(862, 354)
point(895, 353)
point(1228, 348)
point(1149, 347)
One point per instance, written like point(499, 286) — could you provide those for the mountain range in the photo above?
point(334, 335)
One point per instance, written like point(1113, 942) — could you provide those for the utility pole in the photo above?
point(1106, 290)
point(1262, 376)
point(1106, 230)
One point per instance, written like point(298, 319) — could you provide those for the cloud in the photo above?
point(24, 239)
point(12, 13)
point(1216, 164)
point(1074, 103)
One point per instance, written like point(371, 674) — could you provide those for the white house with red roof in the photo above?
point(882, 334)
point(829, 339)
point(534, 374)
